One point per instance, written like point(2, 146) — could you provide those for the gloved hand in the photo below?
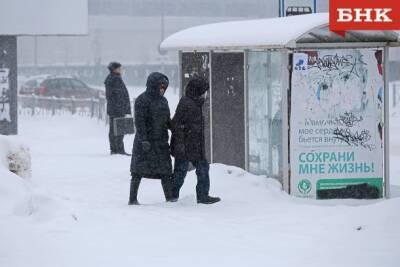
point(146, 146)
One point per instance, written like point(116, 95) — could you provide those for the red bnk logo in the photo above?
point(345, 15)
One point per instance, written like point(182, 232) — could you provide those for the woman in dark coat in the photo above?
point(187, 142)
point(151, 154)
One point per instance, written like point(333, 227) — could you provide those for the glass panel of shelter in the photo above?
point(264, 79)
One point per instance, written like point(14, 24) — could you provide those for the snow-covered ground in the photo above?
point(73, 212)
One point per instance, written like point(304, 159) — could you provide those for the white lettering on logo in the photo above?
point(364, 15)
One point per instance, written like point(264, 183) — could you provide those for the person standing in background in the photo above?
point(118, 105)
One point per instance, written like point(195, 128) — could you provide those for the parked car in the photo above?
point(63, 87)
point(298, 10)
point(30, 85)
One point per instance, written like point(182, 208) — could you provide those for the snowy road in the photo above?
point(77, 214)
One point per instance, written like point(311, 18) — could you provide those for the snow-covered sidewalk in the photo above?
point(73, 212)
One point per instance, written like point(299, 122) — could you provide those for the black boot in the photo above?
point(166, 184)
point(120, 153)
point(135, 182)
point(208, 200)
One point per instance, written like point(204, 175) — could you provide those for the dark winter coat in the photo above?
point(152, 120)
point(118, 103)
point(187, 141)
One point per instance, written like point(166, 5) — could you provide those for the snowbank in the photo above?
point(15, 156)
point(255, 224)
point(21, 198)
point(18, 195)
point(13, 193)
point(13, 189)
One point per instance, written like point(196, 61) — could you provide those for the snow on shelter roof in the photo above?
point(268, 33)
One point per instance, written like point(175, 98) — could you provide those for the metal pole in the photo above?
point(280, 8)
point(180, 74)
point(162, 29)
point(270, 117)
point(394, 96)
point(386, 158)
point(162, 20)
point(246, 108)
point(35, 51)
point(66, 51)
point(285, 121)
point(315, 6)
point(211, 109)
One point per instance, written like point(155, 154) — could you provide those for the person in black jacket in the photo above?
point(187, 141)
point(118, 105)
point(150, 154)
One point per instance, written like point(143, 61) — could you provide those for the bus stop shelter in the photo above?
point(292, 100)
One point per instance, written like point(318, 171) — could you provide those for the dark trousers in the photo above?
point(202, 172)
point(116, 142)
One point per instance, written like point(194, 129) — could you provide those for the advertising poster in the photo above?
point(336, 123)
point(4, 95)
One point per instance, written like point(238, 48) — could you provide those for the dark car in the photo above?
point(64, 87)
point(298, 10)
point(32, 84)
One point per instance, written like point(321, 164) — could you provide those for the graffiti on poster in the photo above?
point(336, 121)
point(4, 95)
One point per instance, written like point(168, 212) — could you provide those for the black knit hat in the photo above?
point(113, 66)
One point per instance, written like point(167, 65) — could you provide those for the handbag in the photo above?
point(123, 126)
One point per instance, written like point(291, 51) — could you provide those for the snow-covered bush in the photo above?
point(15, 156)
point(19, 196)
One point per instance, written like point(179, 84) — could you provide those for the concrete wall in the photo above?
point(43, 17)
point(130, 31)
point(130, 40)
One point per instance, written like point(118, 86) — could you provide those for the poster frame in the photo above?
point(326, 46)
